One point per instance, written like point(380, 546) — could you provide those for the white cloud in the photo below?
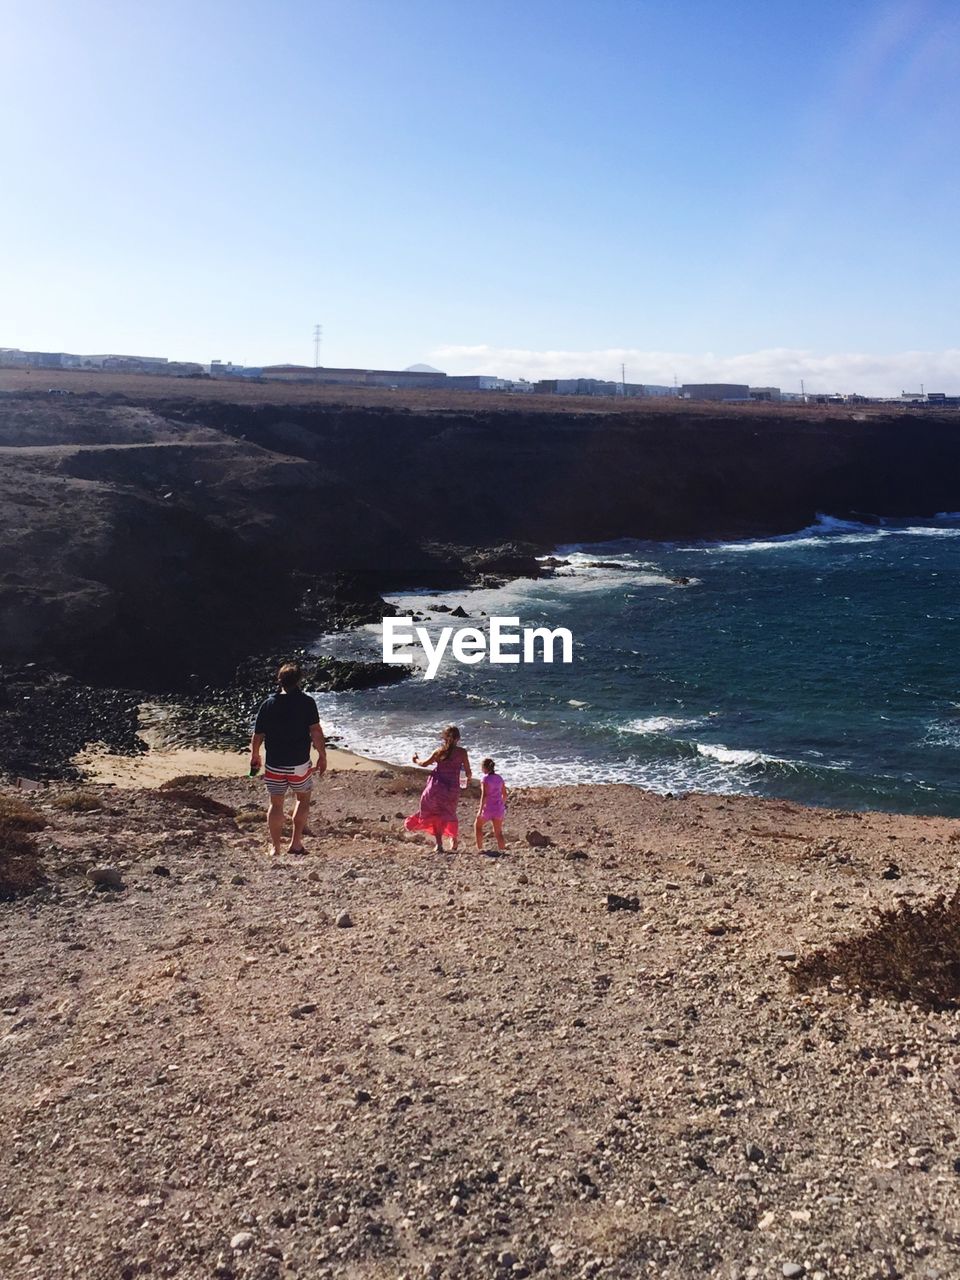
point(783, 367)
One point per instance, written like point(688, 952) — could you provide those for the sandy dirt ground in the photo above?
point(161, 765)
point(377, 1062)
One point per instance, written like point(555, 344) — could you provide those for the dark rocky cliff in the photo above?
point(556, 477)
point(145, 541)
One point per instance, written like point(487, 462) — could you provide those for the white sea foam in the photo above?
point(661, 724)
point(942, 733)
point(739, 759)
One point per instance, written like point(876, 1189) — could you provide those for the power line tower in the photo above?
point(317, 339)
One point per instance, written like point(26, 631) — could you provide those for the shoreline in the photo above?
point(159, 765)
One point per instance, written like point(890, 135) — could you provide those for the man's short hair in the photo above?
point(289, 676)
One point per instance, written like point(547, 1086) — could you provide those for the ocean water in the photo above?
point(822, 667)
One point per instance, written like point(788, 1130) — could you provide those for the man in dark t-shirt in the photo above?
point(289, 723)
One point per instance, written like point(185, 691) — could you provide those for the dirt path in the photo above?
point(486, 1073)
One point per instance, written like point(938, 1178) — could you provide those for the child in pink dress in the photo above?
point(493, 805)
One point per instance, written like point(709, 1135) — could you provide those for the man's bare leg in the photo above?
point(301, 811)
point(275, 822)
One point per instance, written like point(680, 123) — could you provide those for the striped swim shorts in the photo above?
point(297, 778)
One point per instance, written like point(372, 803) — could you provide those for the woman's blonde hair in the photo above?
point(451, 740)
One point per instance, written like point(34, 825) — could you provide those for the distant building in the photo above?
point(649, 389)
point(765, 393)
point(472, 381)
point(714, 391)
point(44, 359)
point(392, 378)
point(227, 369)
point(288, 372)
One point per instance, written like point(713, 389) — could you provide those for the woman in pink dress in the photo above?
point(438, 802)
point(493, 804)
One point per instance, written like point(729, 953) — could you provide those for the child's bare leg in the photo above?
point(498, 832)
point(478, 832)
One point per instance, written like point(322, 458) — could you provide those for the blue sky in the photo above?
point(702, 188)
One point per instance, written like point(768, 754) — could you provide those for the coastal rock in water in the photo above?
point(516, 560)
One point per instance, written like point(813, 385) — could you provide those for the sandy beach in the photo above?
point(377, 1062)
point(163, 764)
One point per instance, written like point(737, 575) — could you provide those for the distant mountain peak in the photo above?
point(421, 368)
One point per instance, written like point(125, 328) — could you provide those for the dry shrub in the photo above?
point(248, 816)
point(20, 816)
point(911, 953)
point(185, 782)
point(79, 802)
point(19, 863)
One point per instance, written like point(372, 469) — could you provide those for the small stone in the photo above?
point(523, 879)
point(672, 884)
point(343, 920)
point(753, 1153)
point(716, 930)
point(617, 902)
point(238, 879)
point(505, 1259)
point(537, 840)
point(793, 1269)
point(706, 879)
point(241, 1241)
point(105, 877)
point(786, 955)
point(159, 870)
point(301, 1010)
